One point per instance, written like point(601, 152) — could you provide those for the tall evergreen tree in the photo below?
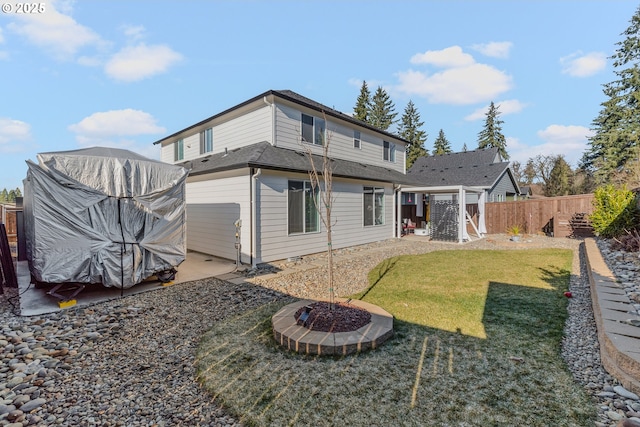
point(363, 104)
point(4, 195)
point(441, 144)
point(529, 173)
point(560, 178)
point(464, 147)
point(614, 144)
point(491, 135)
point(409, 129)
point(382, 113)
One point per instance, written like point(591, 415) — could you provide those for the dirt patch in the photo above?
point(342, 318)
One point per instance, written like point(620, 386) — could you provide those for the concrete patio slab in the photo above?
point(35, 301)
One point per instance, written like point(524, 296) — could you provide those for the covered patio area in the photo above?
point(445, 211)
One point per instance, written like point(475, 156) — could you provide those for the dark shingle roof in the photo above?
point(264, 155)
point(471, 168)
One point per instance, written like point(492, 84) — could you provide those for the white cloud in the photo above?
point(115, 128)
point(570, 141)
point(1, 36)
point(506, 107)
point(462, 82)
point(446, 58)
point(116, 123)
point(139, 62)
point(12, 131)
point(55, 32)
point(457, 86)
point(134, 32)
point(494, 49)
point(579, 65)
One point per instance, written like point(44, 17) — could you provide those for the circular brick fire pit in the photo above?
point(299, 338)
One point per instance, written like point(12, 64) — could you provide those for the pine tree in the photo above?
point(18, 192)
point(529, 173)
point(4, 196)
point(409, 129)
point(491, 135)
point(363, 104)
point(464, 147)
point(12, 196)
point(382, 113)
point(441, 144)
point(560, 177)
point(614, 145)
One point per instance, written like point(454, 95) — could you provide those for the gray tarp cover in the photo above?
point(103, 215)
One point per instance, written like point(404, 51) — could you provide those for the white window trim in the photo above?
point(314, 129)
point(203, 141)
point(373, 190)
point(306, 184)
point(178, 149)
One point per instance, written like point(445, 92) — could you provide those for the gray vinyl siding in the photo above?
point(288, 135)
point(246, 129)
point(274, 242)
point(500, 190)
point(213, 206)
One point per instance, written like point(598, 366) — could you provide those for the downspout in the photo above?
point(273, 120)
point(254, 215)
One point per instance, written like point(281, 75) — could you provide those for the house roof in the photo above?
point(266, 156)
point(477, 168)
point(297, 99)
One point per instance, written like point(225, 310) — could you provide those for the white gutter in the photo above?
point(273, 120)
point(254, 214)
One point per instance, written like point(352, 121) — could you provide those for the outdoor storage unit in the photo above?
point(103, 215)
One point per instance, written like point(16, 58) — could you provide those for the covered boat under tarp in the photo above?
point(103, 216)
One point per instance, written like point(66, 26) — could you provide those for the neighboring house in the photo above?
point(526, 192)
point(445, 185)
point(482, 168)
point(250, 163)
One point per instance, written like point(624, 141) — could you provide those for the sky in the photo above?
point(127, 73)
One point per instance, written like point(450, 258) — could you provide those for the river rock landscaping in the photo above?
point(130, 362)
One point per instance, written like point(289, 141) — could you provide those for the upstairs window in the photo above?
point(356, 139)
point(206, 141)
point(373, 213)
point(178, 150)
point(313, 130)
point(303, 214)
point(389, 152)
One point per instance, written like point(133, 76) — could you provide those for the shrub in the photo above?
point(514, 230)
point(629, 241)
point(614, 211)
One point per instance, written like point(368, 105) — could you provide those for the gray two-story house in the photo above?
point(249, 166)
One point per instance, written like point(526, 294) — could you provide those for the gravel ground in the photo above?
point(130, 362)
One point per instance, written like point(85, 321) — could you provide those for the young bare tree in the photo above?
point(321, 177)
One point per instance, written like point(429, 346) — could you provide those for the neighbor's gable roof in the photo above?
point(477, 168)
point(264, 155)
point(296, 98)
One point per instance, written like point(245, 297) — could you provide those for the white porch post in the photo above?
point(462, 220)
point(482, 227)
point(398, 202)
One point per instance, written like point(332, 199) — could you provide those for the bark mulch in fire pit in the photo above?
point(343, 318)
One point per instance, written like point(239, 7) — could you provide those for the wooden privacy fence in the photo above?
point(8, 218)
point(560, 216)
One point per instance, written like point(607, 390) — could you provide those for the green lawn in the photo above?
point(477, 343)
